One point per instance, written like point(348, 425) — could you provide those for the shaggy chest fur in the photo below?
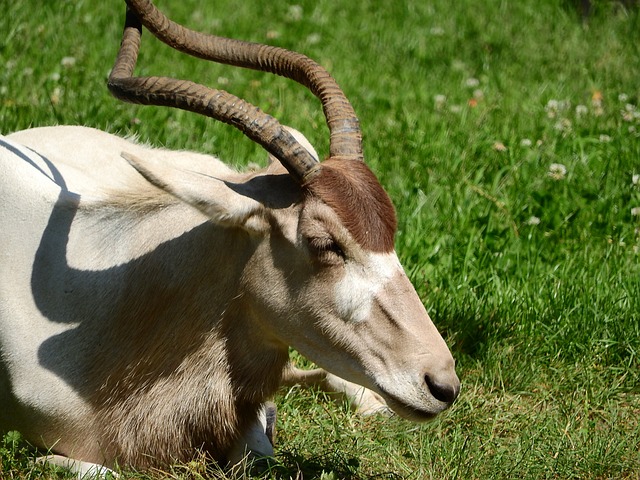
point(202, 405)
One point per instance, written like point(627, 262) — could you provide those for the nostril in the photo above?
point(443, 392)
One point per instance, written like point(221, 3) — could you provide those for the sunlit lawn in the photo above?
point(507, 134)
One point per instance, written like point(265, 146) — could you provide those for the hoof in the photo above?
point(271, 412)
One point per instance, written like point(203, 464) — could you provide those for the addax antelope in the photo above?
point(148, 297)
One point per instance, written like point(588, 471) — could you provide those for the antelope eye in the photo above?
point(326, 249)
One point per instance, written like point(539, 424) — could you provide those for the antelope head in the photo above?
point(324, 277)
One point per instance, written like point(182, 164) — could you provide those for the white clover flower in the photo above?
point(55, 96)
point(635, 179)
point(553, 104)
point(605, 138)
point(437, 31)
point(557, 171)
point(295, 12)
point(581, 110)
point(563, 125)
point(552, 108)
point(55, 76)
point(478, 94)
point(623, 97)
point(314, 39)
point(630, 113)
point(533, 220)
point(472, 82)
point(525, 142)
point(635, 211)
point(68, 62)
point(439, 100)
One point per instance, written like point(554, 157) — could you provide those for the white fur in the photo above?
point(82, 470)
point(356, 291)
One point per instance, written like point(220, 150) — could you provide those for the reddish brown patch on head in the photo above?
point(354, 193)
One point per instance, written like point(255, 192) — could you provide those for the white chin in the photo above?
point(413, 412)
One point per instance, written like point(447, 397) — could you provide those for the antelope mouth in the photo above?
point(410, 411)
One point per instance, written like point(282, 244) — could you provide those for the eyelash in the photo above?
point(325, 245)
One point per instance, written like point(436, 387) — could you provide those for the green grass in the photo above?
point(533, 279)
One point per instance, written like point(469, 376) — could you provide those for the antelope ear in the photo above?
point(274, 164)
point(212, 196)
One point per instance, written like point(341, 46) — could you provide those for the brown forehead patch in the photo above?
point(351, 189)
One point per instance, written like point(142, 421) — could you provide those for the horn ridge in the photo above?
point(345, 135)
point(218, 104)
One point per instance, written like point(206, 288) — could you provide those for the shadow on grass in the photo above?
point(466, 334)
point(329, 465)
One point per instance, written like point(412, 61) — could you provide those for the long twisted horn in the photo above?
point(218, 104)
point(341, 118)
point(343, 124)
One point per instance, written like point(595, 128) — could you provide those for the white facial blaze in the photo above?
point(355, 292)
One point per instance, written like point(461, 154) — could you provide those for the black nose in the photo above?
point(443, 392)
